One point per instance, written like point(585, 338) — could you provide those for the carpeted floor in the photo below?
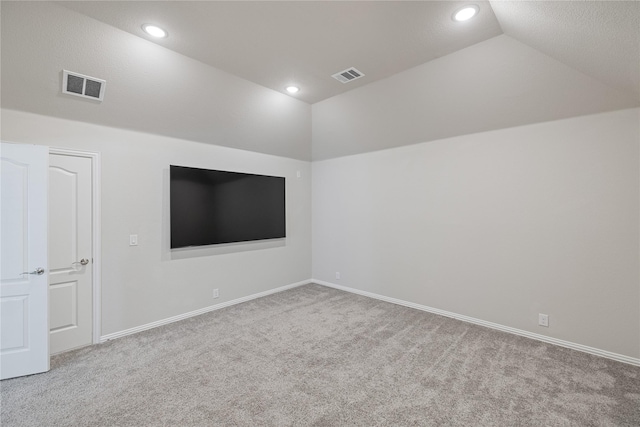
point(315, 356)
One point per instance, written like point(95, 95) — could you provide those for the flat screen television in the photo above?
point(210, 207)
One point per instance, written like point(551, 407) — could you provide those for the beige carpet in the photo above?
point(314, 356)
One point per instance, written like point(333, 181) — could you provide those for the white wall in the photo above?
point(498, 226)
point(148, 282)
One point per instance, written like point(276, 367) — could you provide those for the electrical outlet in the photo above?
point(338, 275)
point(543, 320)
point(215, 293)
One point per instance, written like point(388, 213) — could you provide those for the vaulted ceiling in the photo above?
point(275, 44)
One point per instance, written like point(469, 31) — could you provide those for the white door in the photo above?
point(70, 257)
point(24, 314)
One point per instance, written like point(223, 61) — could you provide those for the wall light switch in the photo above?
point(133, 240)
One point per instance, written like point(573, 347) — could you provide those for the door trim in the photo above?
point(95, 232)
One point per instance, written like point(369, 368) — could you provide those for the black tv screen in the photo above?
point(210, 207)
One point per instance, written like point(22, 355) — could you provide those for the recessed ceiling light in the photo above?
point(154, 31)
point(466, 13)
point(292, 89)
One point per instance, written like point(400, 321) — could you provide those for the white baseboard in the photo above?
point(168, 320)
point(543, 338)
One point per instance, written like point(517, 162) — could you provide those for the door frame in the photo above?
point(95, 232)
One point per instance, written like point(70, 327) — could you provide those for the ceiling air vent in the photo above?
point(81, 85)
point(348, 75)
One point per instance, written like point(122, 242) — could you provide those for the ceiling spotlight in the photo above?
point(292, 89)
point(154, 31)
point(466, 13)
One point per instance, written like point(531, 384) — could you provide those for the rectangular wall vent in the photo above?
point(348, 75)
point(84, 86)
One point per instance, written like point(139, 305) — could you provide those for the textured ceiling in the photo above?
point(149, 88)
point(211, 80)
point(496, 84)
point(599, 38)
point(278, 43)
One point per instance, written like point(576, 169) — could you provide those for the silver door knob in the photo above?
point(83, 261)
point(39, 271)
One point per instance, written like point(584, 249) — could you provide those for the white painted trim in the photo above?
point(497, 326)
point(96, 231)
point(199, 312)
